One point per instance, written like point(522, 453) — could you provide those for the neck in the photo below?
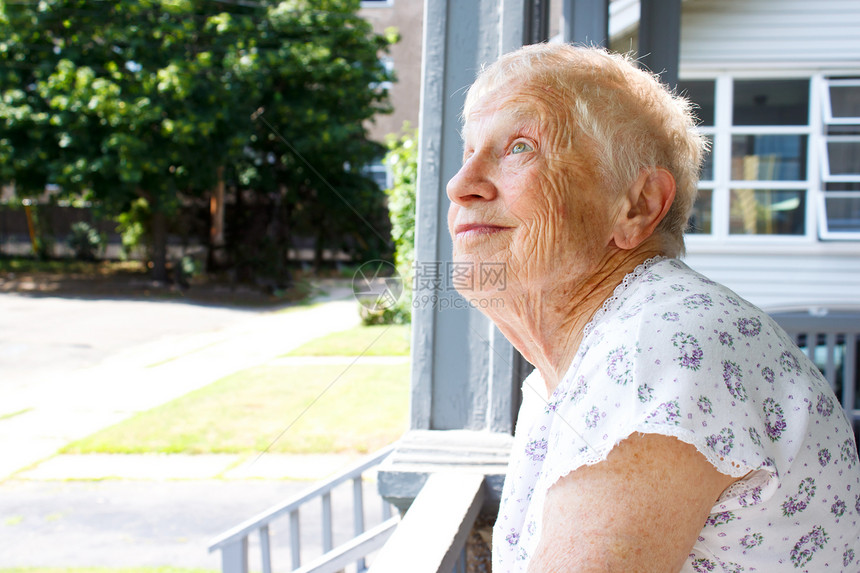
point(546, 323)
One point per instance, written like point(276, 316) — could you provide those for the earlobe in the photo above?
point(646, 204)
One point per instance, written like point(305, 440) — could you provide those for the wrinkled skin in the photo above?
point(528, 196)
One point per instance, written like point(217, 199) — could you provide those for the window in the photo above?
point(784, 158)
point(756, 180)
point(839, 205)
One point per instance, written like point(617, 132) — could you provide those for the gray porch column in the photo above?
point(465, 376)
point(585, 22)
point(660, 38)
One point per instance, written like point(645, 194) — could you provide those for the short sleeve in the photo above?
point(684, 359)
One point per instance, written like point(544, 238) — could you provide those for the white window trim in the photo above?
point(722, 184)
point(826, 176)
point(828, 106)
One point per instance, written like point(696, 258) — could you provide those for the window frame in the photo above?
point(827, 120)
point(722, 184)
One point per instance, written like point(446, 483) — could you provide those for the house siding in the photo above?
point(786, 281)
point(767, 34)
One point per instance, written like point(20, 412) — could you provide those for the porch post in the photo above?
point(585, 22)
point(660, 38)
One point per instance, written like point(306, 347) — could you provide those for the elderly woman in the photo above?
point(669, 424)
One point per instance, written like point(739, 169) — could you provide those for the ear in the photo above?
point(643, 207)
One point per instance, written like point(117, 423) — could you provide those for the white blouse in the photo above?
point(676, 354)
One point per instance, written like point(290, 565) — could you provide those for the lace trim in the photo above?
point(757, 478)
point(609, 303)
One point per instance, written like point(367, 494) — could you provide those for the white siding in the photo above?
point(784, 280)
point(765, 34)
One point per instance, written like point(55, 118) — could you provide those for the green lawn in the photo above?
point(377, 340)
point(317, 408)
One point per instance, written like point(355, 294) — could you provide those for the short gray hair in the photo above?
point(632, 121)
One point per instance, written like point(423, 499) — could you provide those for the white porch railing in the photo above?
point(832, 342)
point(431, 537)
point(233, 544)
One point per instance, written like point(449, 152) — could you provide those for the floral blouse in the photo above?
point(674, 353)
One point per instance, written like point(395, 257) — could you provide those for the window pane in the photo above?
point(767, 212)
point(845, 101)
point(700, 218)
point(844, 156)
point(768, 157)
point(771, 102)
point(700, 93)
point(843, 214)
point(707, 173)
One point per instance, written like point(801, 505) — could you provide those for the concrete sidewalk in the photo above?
point(44, 415)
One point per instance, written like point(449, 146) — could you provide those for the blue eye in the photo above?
point(521, 147)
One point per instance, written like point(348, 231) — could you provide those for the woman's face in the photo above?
point(525, 196)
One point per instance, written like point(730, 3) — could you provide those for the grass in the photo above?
point(69, 266)
point(377, 340)
point(303, 409)
point(105, 570)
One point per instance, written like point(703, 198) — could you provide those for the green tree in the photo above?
point(137, 105)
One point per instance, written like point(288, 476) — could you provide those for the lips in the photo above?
point(477, 229)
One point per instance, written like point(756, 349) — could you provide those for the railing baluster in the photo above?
point(849, 373)
point(327, 540)
point(265, 549)
point(830, 340)
point(386, 509)
point(234, 556)
point(295, 540)
point(233, 544)
point(358, 514)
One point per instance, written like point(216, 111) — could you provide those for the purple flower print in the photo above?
point(774, 419)
point(667, 413)
point(513, 537)
point(578, 391)
point(671, 316)
point(825, 405)
point(592, 417)
point(703, 565)
point(806, 547)
point(555, 401)
point(536, 450)
point(752, 540)
point(848, 452)
point(823, 456)
point(847, 557)
point(726, 339)
point(749, 326)
point(755, 436)
point(767, 374)
point(733, 378)
point(838, 508)
point(718, 519)
point(678, 288)
point(754, 494)
point(723, 442)
point(705, 406)
point(645, 393)
point(797, 503)
point(732, 301)
point(690, 353)
point(695, 301)
point(618, 366)
point(789, 362)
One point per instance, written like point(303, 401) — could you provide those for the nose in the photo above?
point(472, 182)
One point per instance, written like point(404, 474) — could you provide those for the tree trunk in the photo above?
point(159, 245)
point(216, 228)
